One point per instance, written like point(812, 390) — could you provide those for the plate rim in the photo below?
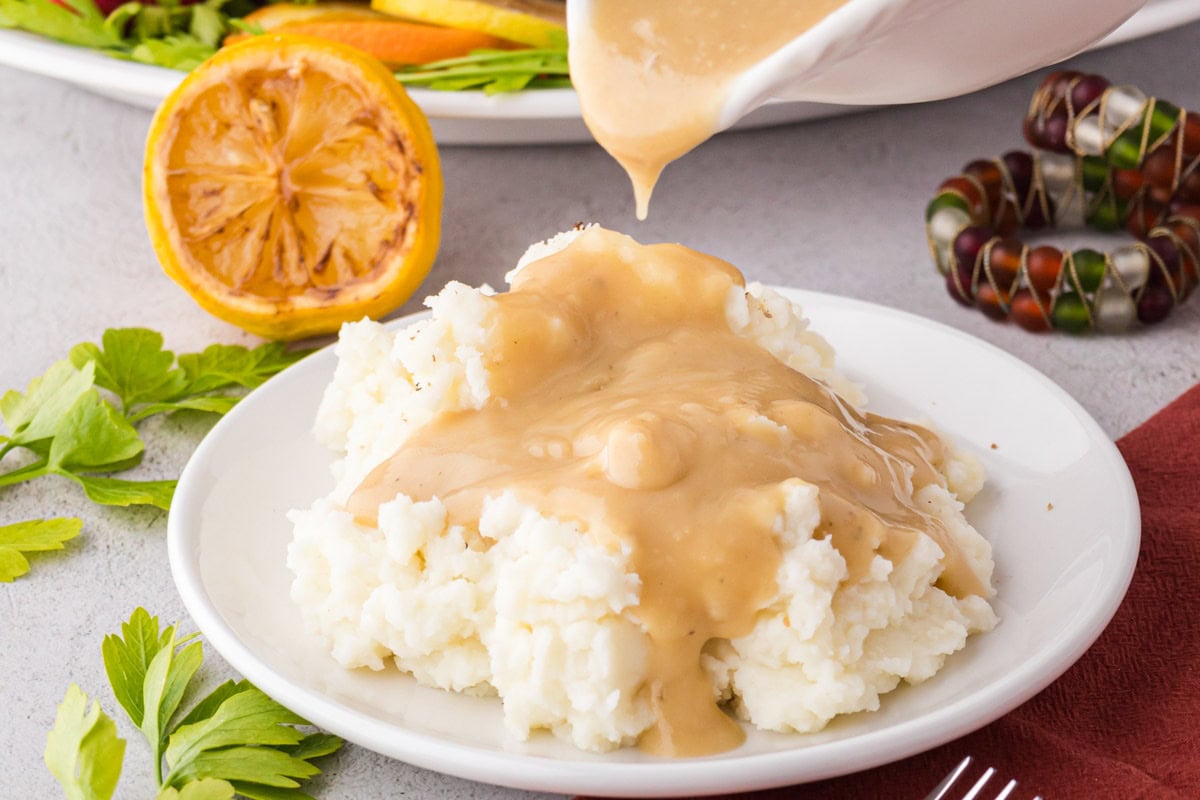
point(719, 774)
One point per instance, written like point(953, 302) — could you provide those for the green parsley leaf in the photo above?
point(133, 365)
point(38, 414)
point(207, 789)
point(222, 366)
point(127, 656)
point(234, 739)
point(123, 493)
point(94, 436)
point(83, 751)
point(256, 791)
point(34, 536)
point(243, 721)
point(214, 404)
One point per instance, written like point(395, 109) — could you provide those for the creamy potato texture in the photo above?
point(628, 496)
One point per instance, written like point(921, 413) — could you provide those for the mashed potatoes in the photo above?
point(544, 612)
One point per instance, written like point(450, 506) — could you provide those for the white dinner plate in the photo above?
point(543, 116)
point(1059, 508)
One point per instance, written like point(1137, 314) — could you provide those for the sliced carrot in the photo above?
point(392, 41)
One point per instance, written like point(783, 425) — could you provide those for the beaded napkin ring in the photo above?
point(1114, 158)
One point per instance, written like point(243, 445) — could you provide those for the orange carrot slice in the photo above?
point(392, 41)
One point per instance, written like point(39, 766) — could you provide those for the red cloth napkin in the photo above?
point(1124, 722)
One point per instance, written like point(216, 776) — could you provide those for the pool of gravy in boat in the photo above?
point(621, 399)
point(653, 75)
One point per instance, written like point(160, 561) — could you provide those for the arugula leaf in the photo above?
point(494, 71)
point(183, 53)
point(83, 26)
point(34, 536)
point(133, 365)
point(83, 751)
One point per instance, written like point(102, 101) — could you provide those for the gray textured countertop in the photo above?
point(831, 205)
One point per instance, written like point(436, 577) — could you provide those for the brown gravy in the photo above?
point(620, 398)
point(653, 75)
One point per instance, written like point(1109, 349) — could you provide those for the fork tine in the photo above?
point(939, 791)
point(1007, 790)
point(978, 787)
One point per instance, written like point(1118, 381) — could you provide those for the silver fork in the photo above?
point(942, 790)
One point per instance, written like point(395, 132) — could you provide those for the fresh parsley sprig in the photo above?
point(236, 741)
point(494, 71)
point(77, 421)
point(32, 536)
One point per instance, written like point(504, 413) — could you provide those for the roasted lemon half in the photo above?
point(291, 185)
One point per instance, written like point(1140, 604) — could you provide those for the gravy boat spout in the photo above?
point(881, 52)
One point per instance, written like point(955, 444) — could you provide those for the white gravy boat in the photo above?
point(877, 52)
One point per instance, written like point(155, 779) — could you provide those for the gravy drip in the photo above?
point(653, 75)
point(622, 400)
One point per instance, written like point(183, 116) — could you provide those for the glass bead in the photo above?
point(969, 242)
point(1089, 139)
point(1187, 234)
point(1004, 261)
point(1123, 104)
point(1155, 304)
point(1125, 151)
point(988, 174)
point(1127, 182)
point(992, 302)
point(946, 224)
point(1106, 216)
point(1162, 120)
point(1167, 263)
point(1054, 132)
point(1094, 173)
point(945, 200)
point(966, 280)
point(1025, 312)
point(960, 293)
point(1089, 268)
point(1189, 187)
point(1058, 173)
point(1036, 218)
point(1159, 167)
point(1043, 266)
point(1007, 217)
point(1087, 89)
point(1070, 313)
point(969, 192)
point(1020, 171)
point(1114, 310)
point(1131, 263)
point(1191, 135)
point(1143, 217)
